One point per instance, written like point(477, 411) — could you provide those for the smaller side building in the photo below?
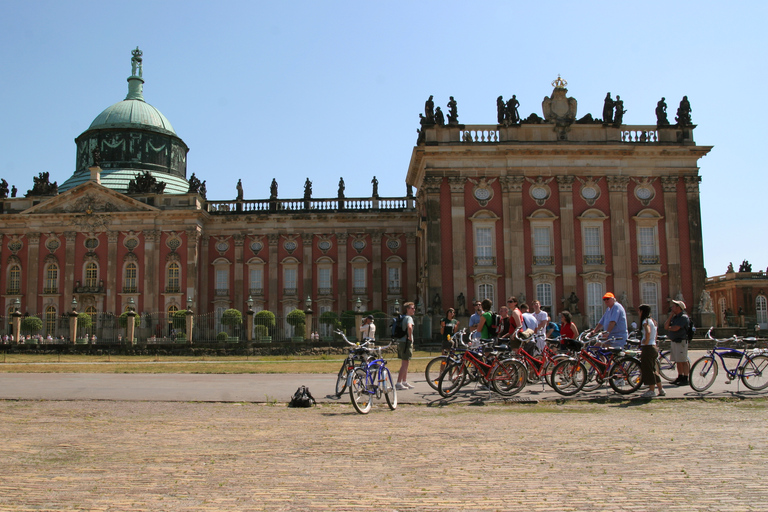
point(737, 300)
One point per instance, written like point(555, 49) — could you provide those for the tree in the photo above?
point(180, 320)
point(123, 320)
point(84, 321)
point(265, 318)
point(232, 318)
point(330, 318)
point(298, 319)
point(31, 325)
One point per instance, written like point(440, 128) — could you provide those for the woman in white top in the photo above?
point(649, 353)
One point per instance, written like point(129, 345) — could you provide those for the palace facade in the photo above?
point(553, 208)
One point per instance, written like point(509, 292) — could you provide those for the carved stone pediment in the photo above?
point(89, 199)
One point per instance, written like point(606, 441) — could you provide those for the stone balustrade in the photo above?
point(315, 205)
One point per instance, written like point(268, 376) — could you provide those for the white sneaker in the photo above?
point(408, 385)
point(649, 394)
point(400, 387)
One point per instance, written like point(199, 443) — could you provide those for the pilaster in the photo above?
point(514, 236)
point(239, 239)
point(33, 269)
point(307, 265)
point(672, 242)
point(698, 274)
point(273, 269)
point(69, 267)
point(567, 237)
point(113, 286)
point(193, 271)
point(434, 247)
point(341, 239)
point(152, 281)
point(620, 242)
point(458, 250)
point(376, 269)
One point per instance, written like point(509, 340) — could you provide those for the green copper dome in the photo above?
point(131, 137)
point(132, 112)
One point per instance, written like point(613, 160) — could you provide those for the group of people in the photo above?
point(536, 323)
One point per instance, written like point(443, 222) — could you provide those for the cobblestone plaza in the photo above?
point(628, 455)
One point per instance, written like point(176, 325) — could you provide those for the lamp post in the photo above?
point(358, 318)
point(308, 318)
point(189, 320)
point(73, 321)
point(16, 319)
point(249, 319)
point(131, 321)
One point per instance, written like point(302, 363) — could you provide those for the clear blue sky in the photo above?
point(325, 89)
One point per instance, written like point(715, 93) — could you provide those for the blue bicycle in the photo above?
point(751, 366)
point(372, 379)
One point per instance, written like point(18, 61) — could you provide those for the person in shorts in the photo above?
point(448, 326)
point(405, 347)
point(677, 332)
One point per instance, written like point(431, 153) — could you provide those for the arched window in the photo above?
point(50, 320)
point(129, 278)
point(761, 309)
point(485, 291)
point(174, 273)
point(172, 309)
point(51, 279)
point(649, 293)
point(14, 280)
point(91, 275)
point(544, 296)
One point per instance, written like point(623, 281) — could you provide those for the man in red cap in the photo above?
point(614, 321)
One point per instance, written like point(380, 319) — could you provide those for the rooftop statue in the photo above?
point(684, 113)
point(96, 153)
point(511, 114)
point(453, 114)
point(194, 185)
point(3, 189)
point(273, 190)
point(145, 183)
point(661, 113)
point(559, 109)
point(239, 190)
point(342, 187)
point(13, 190)
point(429, 111)
point(439, 117)
point(136, 62)
point(43, 187)
point(500, 110)
point(307, 189)
point(375, 183)
point(618, 116)
point(608, 109)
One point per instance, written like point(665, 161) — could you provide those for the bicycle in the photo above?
point(372, 379)
point(357, 352)
point(539, 369)
point(623, 372)
point(665, 366)
point(437, 365)
point(506, 377)
point(751, 368)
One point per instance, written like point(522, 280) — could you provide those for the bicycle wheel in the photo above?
point(358, 391)
point(508, 377)
point(624, 376)
point(451, 379)
point(433, 370)
point(667, 367)
point(594, 379)
point(341, 379)
point(388, 388)
point(754, 373)
point(703, 373)
point(569, 377)
point(550, 366)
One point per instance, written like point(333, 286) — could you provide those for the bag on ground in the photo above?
point(302, 398)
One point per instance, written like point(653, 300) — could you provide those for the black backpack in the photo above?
point(302, 398)
point(396, 327)
point(691, 330)
point(495, 326)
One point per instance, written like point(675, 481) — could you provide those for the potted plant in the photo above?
point(265, 319)
point(232, 318)
point(297, 319)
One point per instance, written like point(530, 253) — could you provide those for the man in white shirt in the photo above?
point(368, 329)
point(474, 320)
point(542, 318)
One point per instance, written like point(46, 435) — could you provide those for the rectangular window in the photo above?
point(256, 281)
point(393, 279)
point(91, 275)
point(483, 243)
point(289, 281)
point(544, 295)
point(324, 279)
point(542, 246)
point(594, 303)
point(222, 282)
point(51, 279)
point(485, 291)
point(358, 279)
point(593, 252)
point(649, 295)
point(14, 280)
point(646, 237)
point(129, 286)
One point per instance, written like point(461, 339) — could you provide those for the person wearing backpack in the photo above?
point(487, 325)
point(677, 326)
point(405, 347)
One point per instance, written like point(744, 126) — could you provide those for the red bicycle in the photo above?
point(506, 377)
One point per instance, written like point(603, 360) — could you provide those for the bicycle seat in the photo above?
point(571, 344)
